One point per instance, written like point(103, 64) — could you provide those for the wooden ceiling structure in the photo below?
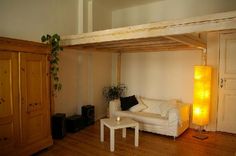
point(159, 36)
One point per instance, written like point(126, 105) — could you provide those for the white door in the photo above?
point(227, 84)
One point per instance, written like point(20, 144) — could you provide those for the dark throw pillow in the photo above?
point(128, 102)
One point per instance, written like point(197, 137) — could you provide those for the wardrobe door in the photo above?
point(35, 108)
point(8, 101)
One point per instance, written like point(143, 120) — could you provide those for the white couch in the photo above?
point(157, 116)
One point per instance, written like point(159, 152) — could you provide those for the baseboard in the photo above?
point(101, 117)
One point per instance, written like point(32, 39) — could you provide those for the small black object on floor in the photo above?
point(88, 114)
point(58, 125)
point(74, 123)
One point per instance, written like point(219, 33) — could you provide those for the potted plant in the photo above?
point(114, 92)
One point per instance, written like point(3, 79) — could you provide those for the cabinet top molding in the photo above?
point(16, 45)
point(159, 36)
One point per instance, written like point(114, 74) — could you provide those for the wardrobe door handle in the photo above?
point(221, 83)
point(2, 100)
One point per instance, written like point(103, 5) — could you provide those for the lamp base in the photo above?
point(200, 136)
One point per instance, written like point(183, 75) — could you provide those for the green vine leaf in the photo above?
point(54, 42)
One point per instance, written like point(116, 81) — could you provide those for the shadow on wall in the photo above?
point(83, 76)
point(160, 75)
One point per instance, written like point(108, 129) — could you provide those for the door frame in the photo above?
point(219, 75)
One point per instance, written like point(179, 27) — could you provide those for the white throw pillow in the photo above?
point(166, 106)
point(139, 107)
point(153, 105)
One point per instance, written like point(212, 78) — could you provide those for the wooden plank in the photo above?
point(140, 45)
point(16, 45)
point(145, 43)
point(213, 22)
point(157, 49)
point(153, 48)
point(188, 40)
point(150, 144)
point(130, 41)
point(88, 49)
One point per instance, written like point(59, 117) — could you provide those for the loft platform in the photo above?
point(159, 36)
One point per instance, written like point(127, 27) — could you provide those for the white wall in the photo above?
point(168, 10)
point(83, 76)
point(30, 19)
point(102, 16)
point(162, 75)
point(213, 52)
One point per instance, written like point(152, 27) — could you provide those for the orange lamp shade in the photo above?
point(202, 94)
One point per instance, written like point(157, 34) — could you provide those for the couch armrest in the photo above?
point(114, 106)
point(184, 111)
point(179, 114)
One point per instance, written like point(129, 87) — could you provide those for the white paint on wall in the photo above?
point(213, 52)
point(80, 16)
point(90, 16)
point(83, 76)
point(29, 20)
point(71, 66)
point(114, 69)
point(101, 78)
point(168, 10)
point(101, 16)
point(90, 78)
point(165, 75)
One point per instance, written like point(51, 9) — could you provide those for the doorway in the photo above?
point(227, 84)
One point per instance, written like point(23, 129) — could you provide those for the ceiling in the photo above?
point(119, 4)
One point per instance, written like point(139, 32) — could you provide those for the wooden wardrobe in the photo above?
point(24, 97)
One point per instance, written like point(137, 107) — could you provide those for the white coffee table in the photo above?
point(112, 124)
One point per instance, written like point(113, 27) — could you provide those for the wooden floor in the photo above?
point(87, 143)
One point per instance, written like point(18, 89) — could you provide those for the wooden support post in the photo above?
point(118, 68)
point(204, 57)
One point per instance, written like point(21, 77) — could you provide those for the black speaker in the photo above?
point(58, 125)
point(88, 114)
point(74, 123)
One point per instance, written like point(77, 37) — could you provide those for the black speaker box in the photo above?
point(88, 114)
point(58, 126)
point(74, 123)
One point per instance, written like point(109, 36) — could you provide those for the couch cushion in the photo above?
point(152, 104)
point(166, 106)
point(147, 118)
point(139, 107)
point(128, 102)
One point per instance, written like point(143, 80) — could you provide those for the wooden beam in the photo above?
point(213, 22)
point(129, 41)
point(191, 41)
point(88, 49)
point(158, 49)
point(145, 43)
point(139, 45)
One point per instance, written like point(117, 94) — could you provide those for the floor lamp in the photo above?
point(201, 98)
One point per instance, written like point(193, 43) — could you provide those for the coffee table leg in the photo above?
point(112, 140)
point(101, 131)
point(136, 137)
point(124, 132)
